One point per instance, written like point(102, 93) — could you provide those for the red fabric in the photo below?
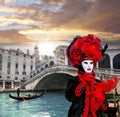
point(79, 90)
point(95, 97)
point(87, 47)
point(107, 85)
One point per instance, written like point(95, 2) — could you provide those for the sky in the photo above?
point(47, 24)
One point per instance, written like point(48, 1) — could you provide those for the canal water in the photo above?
point(51, 104)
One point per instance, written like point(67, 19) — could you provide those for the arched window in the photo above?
point(116, 62)
point(51, 63)
point(38, 71)
point(46, 66)
point(41, 69)
point(105, 62)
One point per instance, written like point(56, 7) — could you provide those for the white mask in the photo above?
point(87, 65)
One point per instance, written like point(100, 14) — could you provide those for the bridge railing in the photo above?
point(108, 71)
point(53, 69)
point(103, 72)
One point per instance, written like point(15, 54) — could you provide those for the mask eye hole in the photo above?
point(91, 63)
point(85, 63)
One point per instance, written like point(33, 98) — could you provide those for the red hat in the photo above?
point(84, 48)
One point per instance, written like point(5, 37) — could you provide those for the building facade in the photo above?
point(60, 57)
point(15, 67)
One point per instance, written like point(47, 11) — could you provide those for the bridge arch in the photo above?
point(59, 75)
point(54, 81)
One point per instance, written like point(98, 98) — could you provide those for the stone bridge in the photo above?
point(56, 77)
point(51, 78)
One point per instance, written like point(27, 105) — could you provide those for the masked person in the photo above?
point(87, 93)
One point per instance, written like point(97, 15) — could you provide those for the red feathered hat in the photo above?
point(84, 48)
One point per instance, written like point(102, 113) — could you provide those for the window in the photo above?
point(9, 65)
point(8, 72)
point(16, 78)
point(24, 66)
point(38, 71)
point(0, 61)
point(0, 65)
point(23, 78)
point(31, 67)
point(0, 57)
point(8, 77)
point(24, 73)
point(16, 72)
point(16, 65)
point(9, 58)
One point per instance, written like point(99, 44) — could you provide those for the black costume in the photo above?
point(77, 107)
point(85, 92)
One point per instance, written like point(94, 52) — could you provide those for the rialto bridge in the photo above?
point(56, 77)
point(55, 73)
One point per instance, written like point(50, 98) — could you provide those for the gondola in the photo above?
point(26, 97)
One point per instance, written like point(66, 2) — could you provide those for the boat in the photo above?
point(26, 97)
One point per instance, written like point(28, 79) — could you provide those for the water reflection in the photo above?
point(51, 104)
point(17, 105)
point(42, 114)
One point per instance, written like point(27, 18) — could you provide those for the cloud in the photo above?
point(98, 15)
point(35, 21)
point(87, 15)
point(12, 36)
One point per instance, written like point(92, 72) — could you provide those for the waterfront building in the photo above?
point(15, 67)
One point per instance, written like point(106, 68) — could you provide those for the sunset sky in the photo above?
point(49, 23)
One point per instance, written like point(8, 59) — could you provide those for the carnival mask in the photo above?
point(87, 66)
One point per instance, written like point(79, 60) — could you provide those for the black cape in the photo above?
point(77, 106)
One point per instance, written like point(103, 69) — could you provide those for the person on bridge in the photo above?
point(87, 93)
